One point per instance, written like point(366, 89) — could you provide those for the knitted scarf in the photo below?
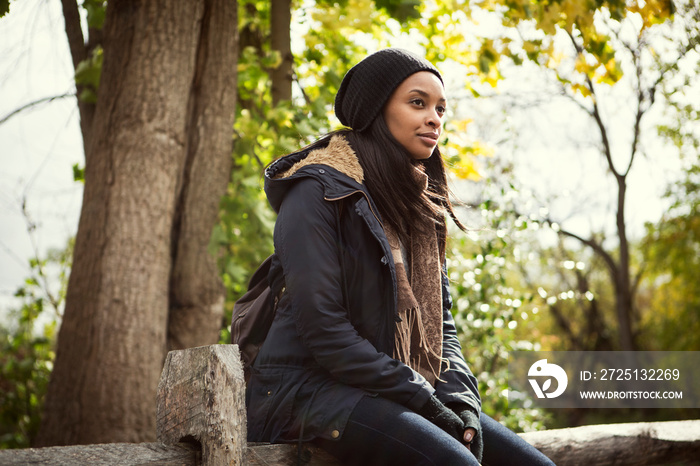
point(418, 335)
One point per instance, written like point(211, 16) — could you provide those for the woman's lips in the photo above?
point(429, 138)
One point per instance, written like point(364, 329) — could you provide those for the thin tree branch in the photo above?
point(595, 113)
point(597, 248)
point(74, 31)
point(640, 109)
point(80, 50)
point(573, 99)
point(13, 254)
point(34, 104)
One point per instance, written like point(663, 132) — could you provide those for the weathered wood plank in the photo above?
point(265, 454)
point(634, 444)
point(656, 443)
point(201, 396)
point(109, 454)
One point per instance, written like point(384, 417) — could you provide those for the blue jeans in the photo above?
point(383, 433)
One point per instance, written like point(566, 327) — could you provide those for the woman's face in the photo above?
point(414, 113)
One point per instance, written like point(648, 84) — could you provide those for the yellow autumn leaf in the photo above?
point(555, 59)
point(466, 171)
point(582, 66)
point(581, 89)
point(460, 126)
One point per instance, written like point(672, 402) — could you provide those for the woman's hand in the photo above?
point(469, 436)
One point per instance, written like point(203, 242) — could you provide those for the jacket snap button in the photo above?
point(322, 171)
point(335, 434)
point(385, 260)
point(269, 393)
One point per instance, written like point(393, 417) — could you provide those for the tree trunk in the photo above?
point(623, 284)
point(280, 21)
point(153, 112)
point(196, 292)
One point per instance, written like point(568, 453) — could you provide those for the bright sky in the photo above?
point(39, 146)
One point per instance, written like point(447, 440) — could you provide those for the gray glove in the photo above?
point(444, 418)
point(470, 420)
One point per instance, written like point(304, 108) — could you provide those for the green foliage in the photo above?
point(4, 7)
point(27, 349)
point(400, 9)
point(96, 10)
point(672, 248)
point(88, 73)
point(78, 173)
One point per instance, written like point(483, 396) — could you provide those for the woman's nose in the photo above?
point(434, 119)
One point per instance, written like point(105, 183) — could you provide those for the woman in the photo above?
point(362, 356)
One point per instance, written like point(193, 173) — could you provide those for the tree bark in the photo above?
point(148, 122)
point(280, 21)
point(196, 292)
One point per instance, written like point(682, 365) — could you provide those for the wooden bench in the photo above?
point(201, 420)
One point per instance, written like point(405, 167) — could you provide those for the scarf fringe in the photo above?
point(412, 327)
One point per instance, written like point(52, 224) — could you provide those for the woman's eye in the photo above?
point(418, 102)
point(441, 109)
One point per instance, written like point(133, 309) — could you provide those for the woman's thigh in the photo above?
point(381, 432)
point(502, 447)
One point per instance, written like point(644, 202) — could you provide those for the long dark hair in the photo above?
point(390, 179)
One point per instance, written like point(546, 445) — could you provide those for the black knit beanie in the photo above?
point(369, 84)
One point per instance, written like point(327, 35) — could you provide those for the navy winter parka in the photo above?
point(331, 340)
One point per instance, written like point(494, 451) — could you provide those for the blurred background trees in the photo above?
point(555, 258)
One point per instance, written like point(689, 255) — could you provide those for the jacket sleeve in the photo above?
point(459, 386)
point(306, 241)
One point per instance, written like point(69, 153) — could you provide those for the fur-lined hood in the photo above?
point(332, 161)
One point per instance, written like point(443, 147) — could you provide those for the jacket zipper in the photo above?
point(366, 197)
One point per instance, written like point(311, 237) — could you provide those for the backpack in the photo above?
point(253, 313)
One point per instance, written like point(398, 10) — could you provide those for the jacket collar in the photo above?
point(332, 161)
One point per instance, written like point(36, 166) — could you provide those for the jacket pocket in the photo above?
point(263, 388)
